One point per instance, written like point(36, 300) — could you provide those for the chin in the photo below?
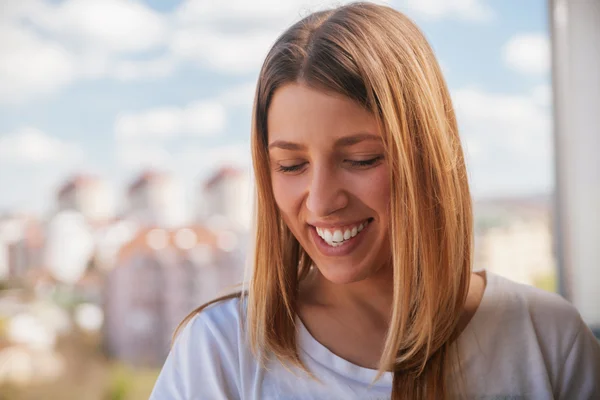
point(342, 274)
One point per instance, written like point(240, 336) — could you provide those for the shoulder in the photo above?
point(520, 310)
point(220, 321)
point(540, 320)
point(222, 314)
point(540, 334)
point(570, 350)
point(549, 313)
point(205, 357)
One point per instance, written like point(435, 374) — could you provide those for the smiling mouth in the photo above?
point(337, 237)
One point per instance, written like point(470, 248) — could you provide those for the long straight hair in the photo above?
point(377, 57)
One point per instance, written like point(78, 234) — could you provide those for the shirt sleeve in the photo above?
point(202, 364)
point(580, 377)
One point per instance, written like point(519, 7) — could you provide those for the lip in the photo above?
point(344, 249)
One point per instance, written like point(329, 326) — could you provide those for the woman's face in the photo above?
point(330, 180)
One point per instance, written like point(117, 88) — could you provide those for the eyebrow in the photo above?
point(341, 142)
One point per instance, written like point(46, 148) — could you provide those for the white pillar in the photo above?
point(575, 33)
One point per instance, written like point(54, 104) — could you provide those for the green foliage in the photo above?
point(120, 384)
point(126, 383)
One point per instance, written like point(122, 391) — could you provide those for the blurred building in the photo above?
point(69, 246)
point(228, 194)
point(109, 239)
point(513, 238)
point(11, 230)
point(156, 199)
point(89, 287)
point(159, 277)
point(88, 195)
point(22, 240)
point(521, 251)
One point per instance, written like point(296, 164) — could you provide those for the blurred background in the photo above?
point(125, 184)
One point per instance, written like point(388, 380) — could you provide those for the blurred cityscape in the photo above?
point(88, 293)
point(90, 296)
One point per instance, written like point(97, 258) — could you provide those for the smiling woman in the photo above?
point(330, 180)
point(362, 284)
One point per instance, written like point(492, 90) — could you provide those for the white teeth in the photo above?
point(338, 236)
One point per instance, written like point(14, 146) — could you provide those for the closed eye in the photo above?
point(364, 163)
point(359, 164)
point(290, 168)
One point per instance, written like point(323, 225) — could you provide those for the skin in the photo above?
point(328, 168)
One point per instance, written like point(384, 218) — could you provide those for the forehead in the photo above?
point(300, 113)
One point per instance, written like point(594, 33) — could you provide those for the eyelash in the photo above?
point(353, 163)
point(365, 163)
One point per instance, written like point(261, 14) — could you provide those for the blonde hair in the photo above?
point(377, 57)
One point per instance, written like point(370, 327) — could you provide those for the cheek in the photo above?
point(288, 192)
point(376, 192)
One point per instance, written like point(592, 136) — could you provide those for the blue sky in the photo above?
point(112, 87)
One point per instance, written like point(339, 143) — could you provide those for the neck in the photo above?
point(373, 295)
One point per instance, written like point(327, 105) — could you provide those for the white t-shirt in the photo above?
point(522, 343)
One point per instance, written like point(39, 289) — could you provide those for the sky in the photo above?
point(114, 87)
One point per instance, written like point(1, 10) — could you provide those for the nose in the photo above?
point(326, 193)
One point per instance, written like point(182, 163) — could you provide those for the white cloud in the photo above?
point(138, 155)
point(14, 10)
point(471, 10)
point(208, 158)
point(44, 47)
point(202, 118)
point(154, 137)
point(167, 137)
point(111, 25)
point(528, 53)
point(92, 39)
point(31, 66)
point(32, 146)
point(239, 95)
point(265, 14)
point(224, 52)
point(134, 70)
point(94, 64)
point(235, 36)
point(507, 139)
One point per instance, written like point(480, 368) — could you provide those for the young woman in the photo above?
point(362, 286)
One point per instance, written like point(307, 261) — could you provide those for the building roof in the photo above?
point(221, 174)
point(76, 182)
point(146, 177)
